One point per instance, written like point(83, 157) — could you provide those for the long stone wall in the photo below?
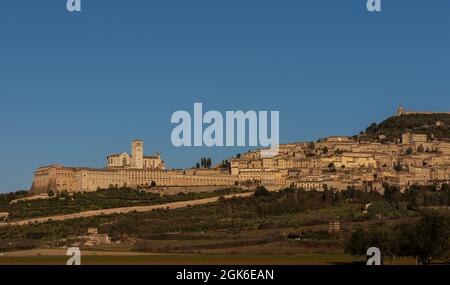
point(58, 178)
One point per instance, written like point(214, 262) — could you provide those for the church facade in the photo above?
point(136, 159)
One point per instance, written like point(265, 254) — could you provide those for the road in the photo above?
point(123, 210)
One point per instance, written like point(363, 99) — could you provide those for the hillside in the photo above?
point(64, 203)
point(435, 125)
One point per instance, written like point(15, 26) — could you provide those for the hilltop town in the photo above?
point(406, 149)
point(391, 178)
point(342, 162)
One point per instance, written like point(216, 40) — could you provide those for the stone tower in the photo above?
point(400, 111)
point(137, 154)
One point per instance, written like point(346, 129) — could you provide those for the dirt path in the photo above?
point(173, 205)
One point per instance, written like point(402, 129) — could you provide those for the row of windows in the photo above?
point(162, 181)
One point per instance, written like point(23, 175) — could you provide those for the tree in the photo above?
point(358, 243)
point(225, 164)
point(392, 195)
point(325, 150)
point(372, 128)
point(331, 167)
point(420, 148)
point(197, 165)
point(205, 162)
point(383, 238)
point(429, 239)
point(261, 191)
point(202, 162)
point(445, 187)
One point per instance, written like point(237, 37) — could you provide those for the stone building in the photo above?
point(136, 170)
point(334, 163)
point(136, 159)
point(401, 111)
point(93, 238)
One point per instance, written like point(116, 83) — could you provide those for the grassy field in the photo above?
point(94, 259)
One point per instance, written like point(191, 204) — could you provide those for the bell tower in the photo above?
point(400, 111)
point(137, 154)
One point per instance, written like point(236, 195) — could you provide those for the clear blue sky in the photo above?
point(76, 87)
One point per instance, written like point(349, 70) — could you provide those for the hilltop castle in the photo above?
point(401, 111)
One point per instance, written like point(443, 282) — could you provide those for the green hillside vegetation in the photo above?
point(290, 208)
point(226, 218)
point(428, 240)
point(65, 203)
point(393, 127)
point(6, 198)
